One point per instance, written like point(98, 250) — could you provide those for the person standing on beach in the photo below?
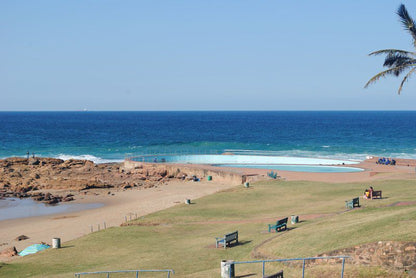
point(27, 154)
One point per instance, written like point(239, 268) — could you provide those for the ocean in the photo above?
point(112, 136)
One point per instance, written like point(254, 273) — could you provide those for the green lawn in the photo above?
point(183, 237)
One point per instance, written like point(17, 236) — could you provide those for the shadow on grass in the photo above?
point(245, 275)
point(67, 246)
point(280, 232)
point(241, 242)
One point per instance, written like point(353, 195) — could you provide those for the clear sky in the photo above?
point(200, 55)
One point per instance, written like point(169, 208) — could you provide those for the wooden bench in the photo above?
point(376, 194)
point(280, 225)
point(352, 203)
point(276, 275)
point(227, 239)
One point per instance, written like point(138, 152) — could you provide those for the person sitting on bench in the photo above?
point(368, 194)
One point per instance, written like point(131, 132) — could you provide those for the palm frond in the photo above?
point(388, 51)
point(397, 59)
point(407, 22)
point(395, 71)
point(405, 79)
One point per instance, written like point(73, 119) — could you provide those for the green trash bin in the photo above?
point(209, 178)
point(294, 219)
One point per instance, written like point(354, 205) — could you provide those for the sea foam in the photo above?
point(90, 157)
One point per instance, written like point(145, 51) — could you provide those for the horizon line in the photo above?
point(219, 110)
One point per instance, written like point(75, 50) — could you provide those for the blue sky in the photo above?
point(199, 55)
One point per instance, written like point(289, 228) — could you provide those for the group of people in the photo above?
point(368, 193)
point(386, 161)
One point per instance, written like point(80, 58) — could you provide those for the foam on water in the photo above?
point(92, 158)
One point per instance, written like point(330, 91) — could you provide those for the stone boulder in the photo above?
point(9, 252)
point(21, 237)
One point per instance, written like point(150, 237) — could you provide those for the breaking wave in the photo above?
point(90, 157)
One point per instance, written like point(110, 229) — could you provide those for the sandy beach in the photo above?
point(122, 203)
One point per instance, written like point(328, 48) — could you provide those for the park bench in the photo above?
point(227, 239)
point(376, 194)
point(275, 275)
point(353, 203)
point(280, 225)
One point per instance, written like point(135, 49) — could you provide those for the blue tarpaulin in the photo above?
point(32, 249)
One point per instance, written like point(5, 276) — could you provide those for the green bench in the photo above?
point(227, 239)
point(376, 194)
point(280, 225)
point(350, 204)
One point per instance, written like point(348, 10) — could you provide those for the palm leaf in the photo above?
point(388, 51)
point(396, 71)
point(395, 60)
point(407, 22)
point(405, 79)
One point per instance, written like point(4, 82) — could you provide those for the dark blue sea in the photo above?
point(112, 136)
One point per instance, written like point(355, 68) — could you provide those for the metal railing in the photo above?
point(288, 260)
point(168, 271)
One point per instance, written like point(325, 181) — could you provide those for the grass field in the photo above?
point(183, 237)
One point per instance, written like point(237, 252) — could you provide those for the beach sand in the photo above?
point(123, 203)
point(68, 226)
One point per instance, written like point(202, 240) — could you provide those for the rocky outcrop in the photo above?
point(390, 254)
point(22, 177)
point(21, 237)
point(9, 252)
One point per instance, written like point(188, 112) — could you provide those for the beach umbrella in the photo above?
point(32, 249)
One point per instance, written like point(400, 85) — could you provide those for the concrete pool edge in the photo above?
point(304, 164)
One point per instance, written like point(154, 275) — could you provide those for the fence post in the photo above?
point(342, 271)
point(303, 269)
point(264, 266)
point(137, 274)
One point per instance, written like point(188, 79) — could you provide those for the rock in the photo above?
point(38, 198)
point(9, 252)
point(22, 237)
point(33, 161)
point(52, 201)
point(68, 199)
